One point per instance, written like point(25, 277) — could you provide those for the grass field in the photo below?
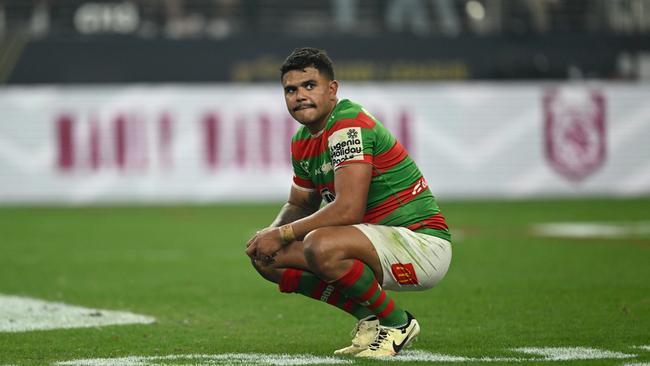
point(507, 288)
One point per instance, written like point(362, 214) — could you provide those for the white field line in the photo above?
point(544, 354)
point(608, 230)
point(644, 347)
point(21, 314)
point(424, 356)
point(573, 353)
point(220, 359)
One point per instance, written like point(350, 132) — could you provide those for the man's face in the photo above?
point(310, 96)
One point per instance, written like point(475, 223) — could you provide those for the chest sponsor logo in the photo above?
point(404, 273)
point(346, 145)
point(574, 131)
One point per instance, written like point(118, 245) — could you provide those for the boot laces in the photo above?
point(382, 336)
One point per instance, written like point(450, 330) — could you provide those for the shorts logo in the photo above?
point(345, 145)
point(404, 274)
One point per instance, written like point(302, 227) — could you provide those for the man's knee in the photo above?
point(319, 252)
point(268, 272)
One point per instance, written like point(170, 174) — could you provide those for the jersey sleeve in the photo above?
point(351, 141)
point(300, 176)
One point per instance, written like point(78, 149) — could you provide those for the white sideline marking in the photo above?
point(424, 356)
point(548, 354)
point(221, 359)
point(646, 348)
point(22, 314)
point(573, 353)
point(581, 230)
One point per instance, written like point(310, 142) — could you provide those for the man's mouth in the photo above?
point(304, 106)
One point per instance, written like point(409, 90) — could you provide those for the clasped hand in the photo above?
point(264, 245)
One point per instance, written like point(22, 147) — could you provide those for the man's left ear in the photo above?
point(334, 87)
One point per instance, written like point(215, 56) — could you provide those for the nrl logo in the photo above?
point(305, 165)
point(574, 126)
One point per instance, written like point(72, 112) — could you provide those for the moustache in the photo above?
point(304, 106)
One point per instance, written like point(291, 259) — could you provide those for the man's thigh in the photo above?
point(410, 261)
point(342, 243)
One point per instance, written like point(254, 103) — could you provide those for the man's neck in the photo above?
point(315, 129)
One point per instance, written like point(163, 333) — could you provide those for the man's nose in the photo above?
point(300, 94)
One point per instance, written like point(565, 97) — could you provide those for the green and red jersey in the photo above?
point(398, 194)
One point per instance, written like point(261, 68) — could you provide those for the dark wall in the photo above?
point(257, 58)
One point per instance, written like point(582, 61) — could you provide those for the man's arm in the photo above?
point(300, 204)
point(351, 184)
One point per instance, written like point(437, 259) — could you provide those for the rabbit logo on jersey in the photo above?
point(346, 144)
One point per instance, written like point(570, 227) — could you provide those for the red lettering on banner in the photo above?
point(94, 140)
point(119, 130)
point(240, 142)
point(65, 125)
point(211, 135)
point(95, 152)
point(165, 139)
point(139, 143)
point(116, 142)
point(265, 141)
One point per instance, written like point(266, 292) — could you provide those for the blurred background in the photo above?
point(179, 100)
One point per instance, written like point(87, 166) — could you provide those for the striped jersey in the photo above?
point(398, 194)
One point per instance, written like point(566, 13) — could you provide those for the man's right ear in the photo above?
point(334, 87)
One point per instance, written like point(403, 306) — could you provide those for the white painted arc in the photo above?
point(22, 314)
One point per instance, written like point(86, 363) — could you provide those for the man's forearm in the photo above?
point(290, 213)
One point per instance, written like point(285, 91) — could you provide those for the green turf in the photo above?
point(186, 266)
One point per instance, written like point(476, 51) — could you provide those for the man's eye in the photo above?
point(309, 86)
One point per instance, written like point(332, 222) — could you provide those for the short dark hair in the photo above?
point(302, 58)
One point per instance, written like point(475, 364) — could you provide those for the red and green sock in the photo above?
point(306, 283)
point(360, 285)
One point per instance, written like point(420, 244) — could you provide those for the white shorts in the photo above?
point(410, 261)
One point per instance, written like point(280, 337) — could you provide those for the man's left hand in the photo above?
point(264, 245)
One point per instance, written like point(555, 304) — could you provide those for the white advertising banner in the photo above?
point(214, 143)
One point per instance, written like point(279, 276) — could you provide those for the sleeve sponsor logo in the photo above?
point(346, 145)
point(420, 186)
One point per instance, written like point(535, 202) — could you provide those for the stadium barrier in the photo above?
point(215, 143)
